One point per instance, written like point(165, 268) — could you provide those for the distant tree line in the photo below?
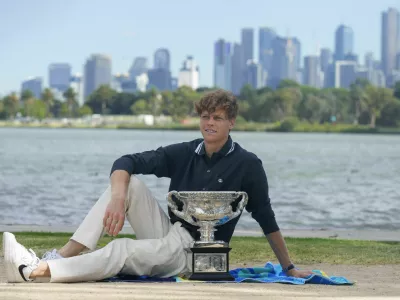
point(363, 103)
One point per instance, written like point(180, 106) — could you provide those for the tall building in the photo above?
point(237, 75)
point(398, 61)
point(139, 66)
point(122, 83)
point(189, 74)
point(311, 74)
point(297, 51)
point(254, 74)
point(283, 61)
point(325, 59)
point(369, 60)
point(160, 76)
point(162, 59)
point(97, 72)
point(265, 38)
point(247, 42)
point(35, 85)
point(159, 79)
point(59, 76)
point(345, 73)
point(344, 42)
point(223, 65)
point(390, 41)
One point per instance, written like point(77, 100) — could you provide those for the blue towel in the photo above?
point(273, 273)
point(270, 273)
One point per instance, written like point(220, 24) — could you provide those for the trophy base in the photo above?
point(210, 263)
point(217, 276)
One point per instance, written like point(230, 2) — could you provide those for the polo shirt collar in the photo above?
point(228, 148)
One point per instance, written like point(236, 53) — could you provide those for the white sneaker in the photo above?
point(19, 262)
point(50, 255)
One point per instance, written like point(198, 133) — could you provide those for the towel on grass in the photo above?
point(270, 273)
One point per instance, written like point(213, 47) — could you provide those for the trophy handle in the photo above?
point(174, 207)
point(241, 205)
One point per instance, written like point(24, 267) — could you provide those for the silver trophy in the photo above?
point(208, 210)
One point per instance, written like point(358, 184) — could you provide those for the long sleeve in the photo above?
point(259, 203)
point(160, 162)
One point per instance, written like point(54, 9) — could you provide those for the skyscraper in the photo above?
point(325, 59)
point(390, 41)
point(247, 42)
point(34, 85)
point(139, 66)
point(312, 71)
point(160, 76)
point(297, 52)
point(223, 65)
point(97, 72)
point(345, 73)
point(237, 76)
point(344, 42)
point(254, 74)
point(162, 59)
point(283, 62)
point(265, 38)
point(60, 76)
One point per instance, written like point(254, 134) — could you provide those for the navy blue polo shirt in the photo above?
point(190, 169)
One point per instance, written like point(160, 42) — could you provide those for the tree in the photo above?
point(377, 98)
point(390, 114)
point(48, 98)
point(85, 110)
point(70, 100)
point(101, 99)
point(36, 108)
point(396, 92)
point(286, 83)
point(140, 107)
point(358, 97)
point(181, 104)
point(26, 95)
point(10, 105)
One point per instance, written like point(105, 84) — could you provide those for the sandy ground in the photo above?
point(372, 282)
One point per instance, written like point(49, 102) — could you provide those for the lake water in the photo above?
point(54, 176)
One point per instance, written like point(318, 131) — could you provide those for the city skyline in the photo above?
point(14, 73)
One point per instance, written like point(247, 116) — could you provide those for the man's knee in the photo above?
point(136, 185)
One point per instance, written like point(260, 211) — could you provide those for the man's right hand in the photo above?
point(114, 217)
point(115, 213)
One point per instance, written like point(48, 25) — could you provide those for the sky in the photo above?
point(35, 33)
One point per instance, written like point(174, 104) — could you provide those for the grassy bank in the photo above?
point(256, 249)
point(285, 126)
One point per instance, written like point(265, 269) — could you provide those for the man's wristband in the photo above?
point(288, 268)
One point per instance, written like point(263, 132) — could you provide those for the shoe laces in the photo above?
point(30, 259)
point(49, 255)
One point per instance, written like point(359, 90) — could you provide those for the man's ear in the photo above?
point(232, 123)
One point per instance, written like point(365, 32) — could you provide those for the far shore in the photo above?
point(347, 234)
point(240, 127)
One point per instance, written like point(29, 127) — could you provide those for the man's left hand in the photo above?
point(299, 273)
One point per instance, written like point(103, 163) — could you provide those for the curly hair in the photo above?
point(218, 99)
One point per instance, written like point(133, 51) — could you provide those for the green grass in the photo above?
point(257, 250)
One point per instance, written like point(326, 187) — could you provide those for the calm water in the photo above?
point(53, 176)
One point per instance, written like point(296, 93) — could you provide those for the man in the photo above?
point(213, 163)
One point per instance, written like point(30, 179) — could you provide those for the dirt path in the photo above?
point(373, 282)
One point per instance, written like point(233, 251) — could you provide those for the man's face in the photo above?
point(215, 126)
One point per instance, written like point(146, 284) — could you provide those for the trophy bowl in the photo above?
point(207, 209)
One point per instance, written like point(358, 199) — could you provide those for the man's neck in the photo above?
point(214, 147)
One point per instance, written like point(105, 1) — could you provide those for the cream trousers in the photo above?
point(157, 251)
